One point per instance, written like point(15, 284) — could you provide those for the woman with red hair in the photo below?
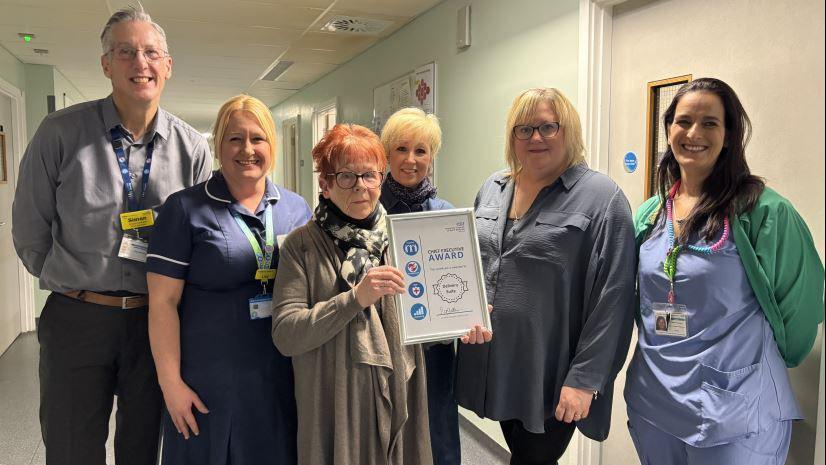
point(360, 394)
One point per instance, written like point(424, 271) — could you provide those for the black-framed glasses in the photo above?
point(546, 130)
point(129, 53)
point(348, 179)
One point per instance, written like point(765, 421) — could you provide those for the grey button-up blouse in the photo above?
point(563, 299)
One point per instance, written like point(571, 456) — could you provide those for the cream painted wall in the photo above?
point(65, 91)
point(12, 70)
point(772, 53)
point(516, 45)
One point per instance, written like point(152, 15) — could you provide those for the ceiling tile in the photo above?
point(406, 8)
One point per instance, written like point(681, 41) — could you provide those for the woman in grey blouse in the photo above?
point(557, 244)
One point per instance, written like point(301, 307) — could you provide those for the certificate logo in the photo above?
point(418, 312)
point(450, 288)
point(411, 247)
point(416, 289)
point(413, 268)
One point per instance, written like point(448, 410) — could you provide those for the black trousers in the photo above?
point(537, 449)
point(88, 354)
point(443, 411)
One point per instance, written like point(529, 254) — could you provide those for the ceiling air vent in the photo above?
point(277, 70)
point(356, 25)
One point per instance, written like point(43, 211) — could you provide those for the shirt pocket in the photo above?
point(487, 219)
point(555, 236)
point(729, 401)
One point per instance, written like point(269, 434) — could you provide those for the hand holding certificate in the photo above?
point(444, 294)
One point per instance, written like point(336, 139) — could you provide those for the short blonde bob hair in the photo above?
point(412, 124)
point(257, 109)
point(523, 110)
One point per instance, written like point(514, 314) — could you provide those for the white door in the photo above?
point(9, 286)
point(324, 118)
point(289, 130)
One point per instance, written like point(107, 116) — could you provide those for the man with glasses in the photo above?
point(82, 213)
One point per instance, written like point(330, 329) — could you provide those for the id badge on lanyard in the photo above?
point(132, 245)
point(261, 305)
point(670, 319)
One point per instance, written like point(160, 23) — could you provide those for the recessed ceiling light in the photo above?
point(26, 36)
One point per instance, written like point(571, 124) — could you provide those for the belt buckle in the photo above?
point(125, 302)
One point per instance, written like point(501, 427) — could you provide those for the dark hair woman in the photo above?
point(733, 268)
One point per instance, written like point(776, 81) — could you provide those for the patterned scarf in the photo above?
point(415, 196)
point(364, 241)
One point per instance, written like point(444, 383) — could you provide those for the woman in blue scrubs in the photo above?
point(411, 140)
point(211, 266)
point(730, 288)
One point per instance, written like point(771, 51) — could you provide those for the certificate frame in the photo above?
point(444, 285)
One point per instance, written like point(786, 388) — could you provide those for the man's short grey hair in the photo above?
point(129, 13)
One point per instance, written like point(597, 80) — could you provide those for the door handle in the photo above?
point(2, 223)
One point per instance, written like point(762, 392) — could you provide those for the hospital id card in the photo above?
point(133, 248)
point(261, 306)
point(670, 320)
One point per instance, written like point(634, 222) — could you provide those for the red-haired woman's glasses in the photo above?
point(347, 179)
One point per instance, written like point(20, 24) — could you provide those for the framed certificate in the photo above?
point(438, 252)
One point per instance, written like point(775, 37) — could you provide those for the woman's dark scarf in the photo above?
point(411, 196)
point(363, 241)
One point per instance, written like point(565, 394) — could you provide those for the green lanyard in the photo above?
point(264, 258)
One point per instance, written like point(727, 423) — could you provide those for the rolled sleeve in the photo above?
point(170, 248)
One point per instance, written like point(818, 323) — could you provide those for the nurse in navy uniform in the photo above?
point(211, 266)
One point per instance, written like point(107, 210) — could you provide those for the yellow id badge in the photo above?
point(264, 275)
point(138, 219)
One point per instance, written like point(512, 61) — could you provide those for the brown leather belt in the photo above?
point(126, 303)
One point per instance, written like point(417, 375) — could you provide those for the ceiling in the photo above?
point(220, 48)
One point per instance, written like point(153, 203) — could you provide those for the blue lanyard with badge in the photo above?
point(260, 306)
point(133, 247)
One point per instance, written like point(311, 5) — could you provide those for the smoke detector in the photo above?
point(356, 25)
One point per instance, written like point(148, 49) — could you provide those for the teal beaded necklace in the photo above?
point(670, 263)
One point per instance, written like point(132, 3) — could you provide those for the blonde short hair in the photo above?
point(412, 123)
point(523, 111)
point(253, 106)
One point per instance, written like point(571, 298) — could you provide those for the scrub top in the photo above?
point(227, 358)
point(725, 380)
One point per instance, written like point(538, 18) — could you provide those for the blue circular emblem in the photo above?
point(416, 289)
point(630, 162)
point(411, 247)
point(413, 268)
point(418, 312)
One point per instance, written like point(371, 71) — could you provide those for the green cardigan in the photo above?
point(781, 264)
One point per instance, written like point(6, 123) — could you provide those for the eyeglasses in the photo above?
point(525, 132)
point(347, 180)
point(129, 53)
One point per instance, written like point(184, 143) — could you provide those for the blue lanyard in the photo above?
point(264, 259)
point(117, 144)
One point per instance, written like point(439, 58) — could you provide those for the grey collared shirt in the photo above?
point(65, 218)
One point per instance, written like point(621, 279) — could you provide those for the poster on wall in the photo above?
point(414, 89)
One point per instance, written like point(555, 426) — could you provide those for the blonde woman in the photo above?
point(411, 139)
point(211, 266)
point(557, 244)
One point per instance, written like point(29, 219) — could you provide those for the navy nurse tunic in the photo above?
point(227, 358)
